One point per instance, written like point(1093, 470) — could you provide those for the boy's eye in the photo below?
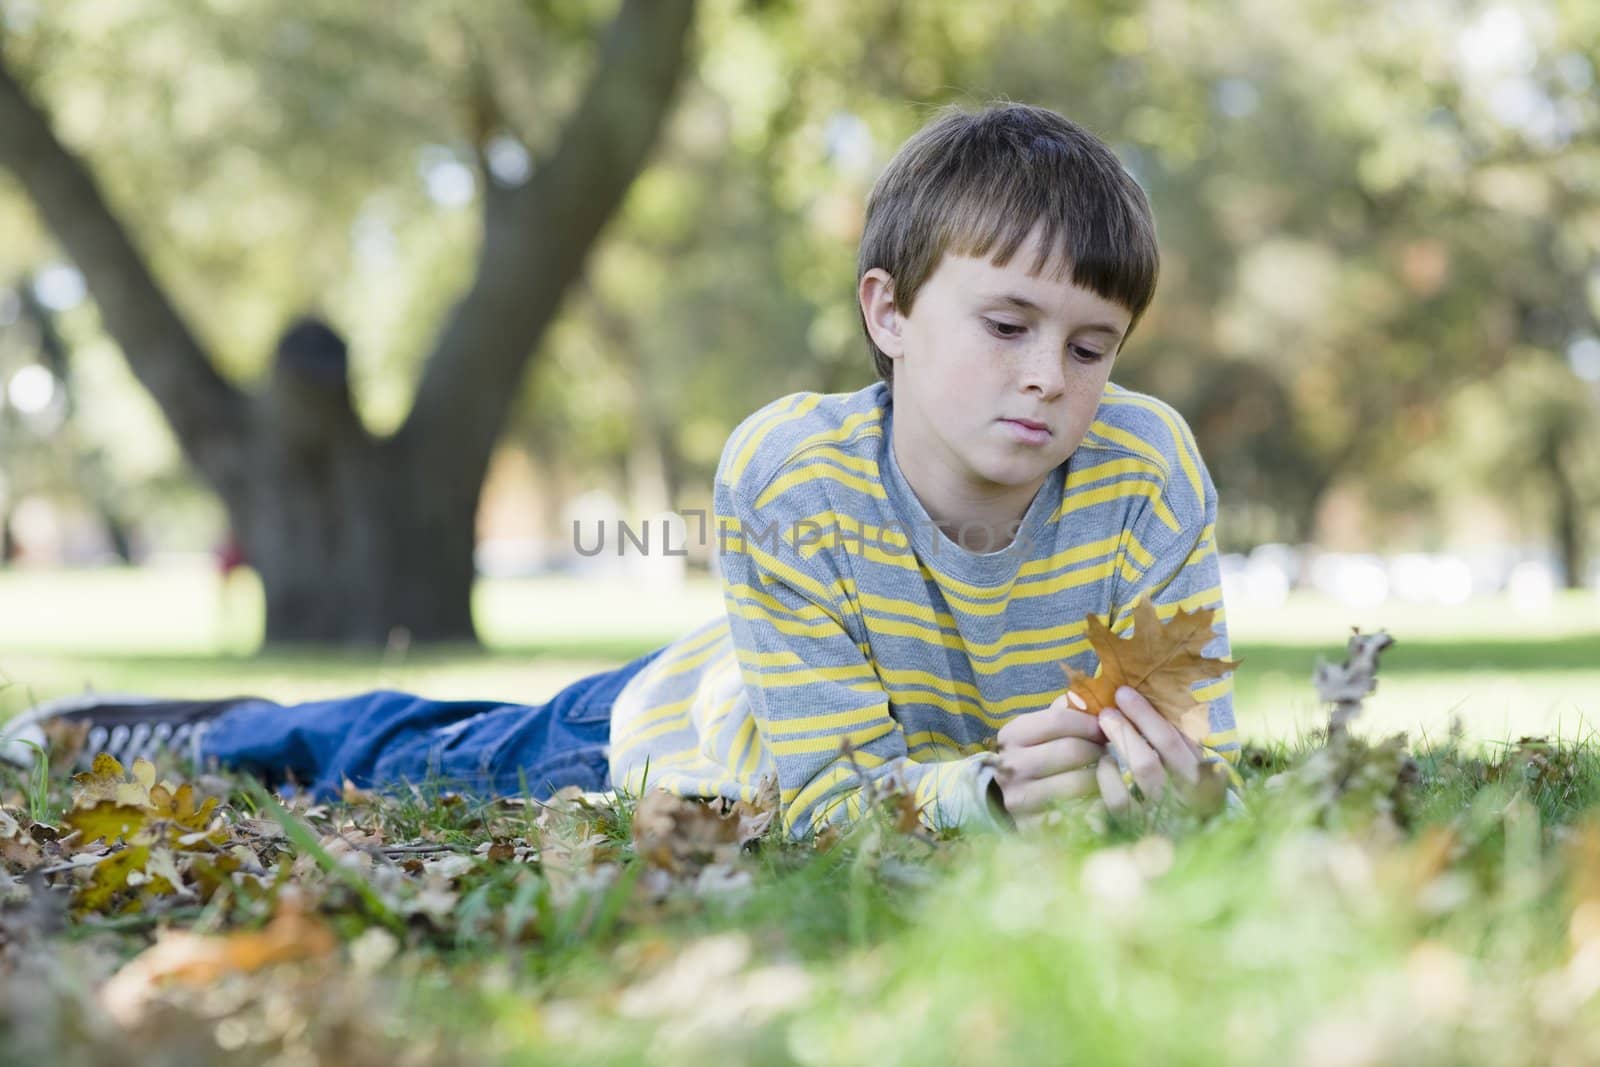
point(1004, 329)
point(1088, 355)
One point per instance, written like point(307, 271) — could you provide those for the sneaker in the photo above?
point(126, 726)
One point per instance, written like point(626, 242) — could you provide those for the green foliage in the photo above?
point(1360, 212)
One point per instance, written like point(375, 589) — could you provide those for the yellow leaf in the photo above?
point(179, 806)
point(1162, 662)
point(108, 820)
point(110, 877)
point(99, 782)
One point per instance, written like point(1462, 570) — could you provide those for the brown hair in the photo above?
point(968, 183)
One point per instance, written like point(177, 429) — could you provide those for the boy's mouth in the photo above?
point(1028, 431)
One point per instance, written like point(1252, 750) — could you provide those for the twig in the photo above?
point(397, 850)
point(1347, 684)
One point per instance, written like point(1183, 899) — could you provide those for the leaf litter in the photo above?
point(162, 920)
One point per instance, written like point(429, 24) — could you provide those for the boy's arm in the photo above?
point(1183, 574)
point(812, 688)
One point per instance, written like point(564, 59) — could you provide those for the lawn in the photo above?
point(1367, 904)
point(1504, 673)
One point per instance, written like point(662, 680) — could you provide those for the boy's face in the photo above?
point(990, 395)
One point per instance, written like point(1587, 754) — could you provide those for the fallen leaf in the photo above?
point(180, 957)
point(19, 849)
point(680, 835)
point(66, 740)
point(107, 820)
point(106, 780)
point(1162, 662)
point(117, 872)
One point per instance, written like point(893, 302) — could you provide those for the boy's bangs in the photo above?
point(1122, 271)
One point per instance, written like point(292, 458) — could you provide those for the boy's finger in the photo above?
point(1112, 789)
point(1060, 719)
point(1037, 795)
point(1143, 761)
point(1056, 756)
point(1169, 742)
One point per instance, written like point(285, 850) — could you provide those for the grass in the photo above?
point(1502, 671)
point(1367, 905)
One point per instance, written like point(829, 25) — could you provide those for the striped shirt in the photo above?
point(860, 643)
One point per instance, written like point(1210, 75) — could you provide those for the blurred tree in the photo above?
point(1530, 434)
point(1361, 210)
point(75, 463)
point(355, 534)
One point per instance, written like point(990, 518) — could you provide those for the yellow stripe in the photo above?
point(1088, 498)
point(809, 473)
point(1112, 468)
point(652, 715)
point(759, 432)
point(932, 738)
point(768, 679)
point(639, 737)
point(739, 751)
point(675, 666)
point(1069, 556)
point(805, 612)
point(845, 431)
point(1132, 443)
point(851, 717)
point(815, 631)
point(742, 434)
point(1205, 598)
point(1182, 441)
point(803, 746)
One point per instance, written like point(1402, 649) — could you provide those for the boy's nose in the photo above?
point(1041, 372)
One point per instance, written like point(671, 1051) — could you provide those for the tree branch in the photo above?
point(537, 237)
point(206, 413)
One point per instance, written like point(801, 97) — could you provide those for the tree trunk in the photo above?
point(358, 540)
point(356, 548)
point(1568, 520)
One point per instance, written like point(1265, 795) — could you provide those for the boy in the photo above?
point(903, 568)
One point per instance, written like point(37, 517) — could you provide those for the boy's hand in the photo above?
point(1046, 755)
point(1157, 754)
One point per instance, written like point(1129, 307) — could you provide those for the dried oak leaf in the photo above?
point(1162, 662)
point(182, 958)
point(679, 835)
point(108, 821)
point(19, 849)
point(105, 781)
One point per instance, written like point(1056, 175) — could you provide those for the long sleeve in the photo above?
point(1179, 569)
point(802, 653)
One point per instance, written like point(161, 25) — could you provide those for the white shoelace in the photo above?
point(130, 743)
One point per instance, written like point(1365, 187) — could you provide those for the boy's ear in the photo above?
point(876, 293)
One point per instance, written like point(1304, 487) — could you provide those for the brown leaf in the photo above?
point(184, 958)
point(1162, 662)
point(680, 835)
point(19, 848)
point(755, 816)
point(66, 740)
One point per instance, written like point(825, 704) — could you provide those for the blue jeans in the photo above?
point(385, 738)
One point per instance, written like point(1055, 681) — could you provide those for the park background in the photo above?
point(549, 263)
point(381, 299)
